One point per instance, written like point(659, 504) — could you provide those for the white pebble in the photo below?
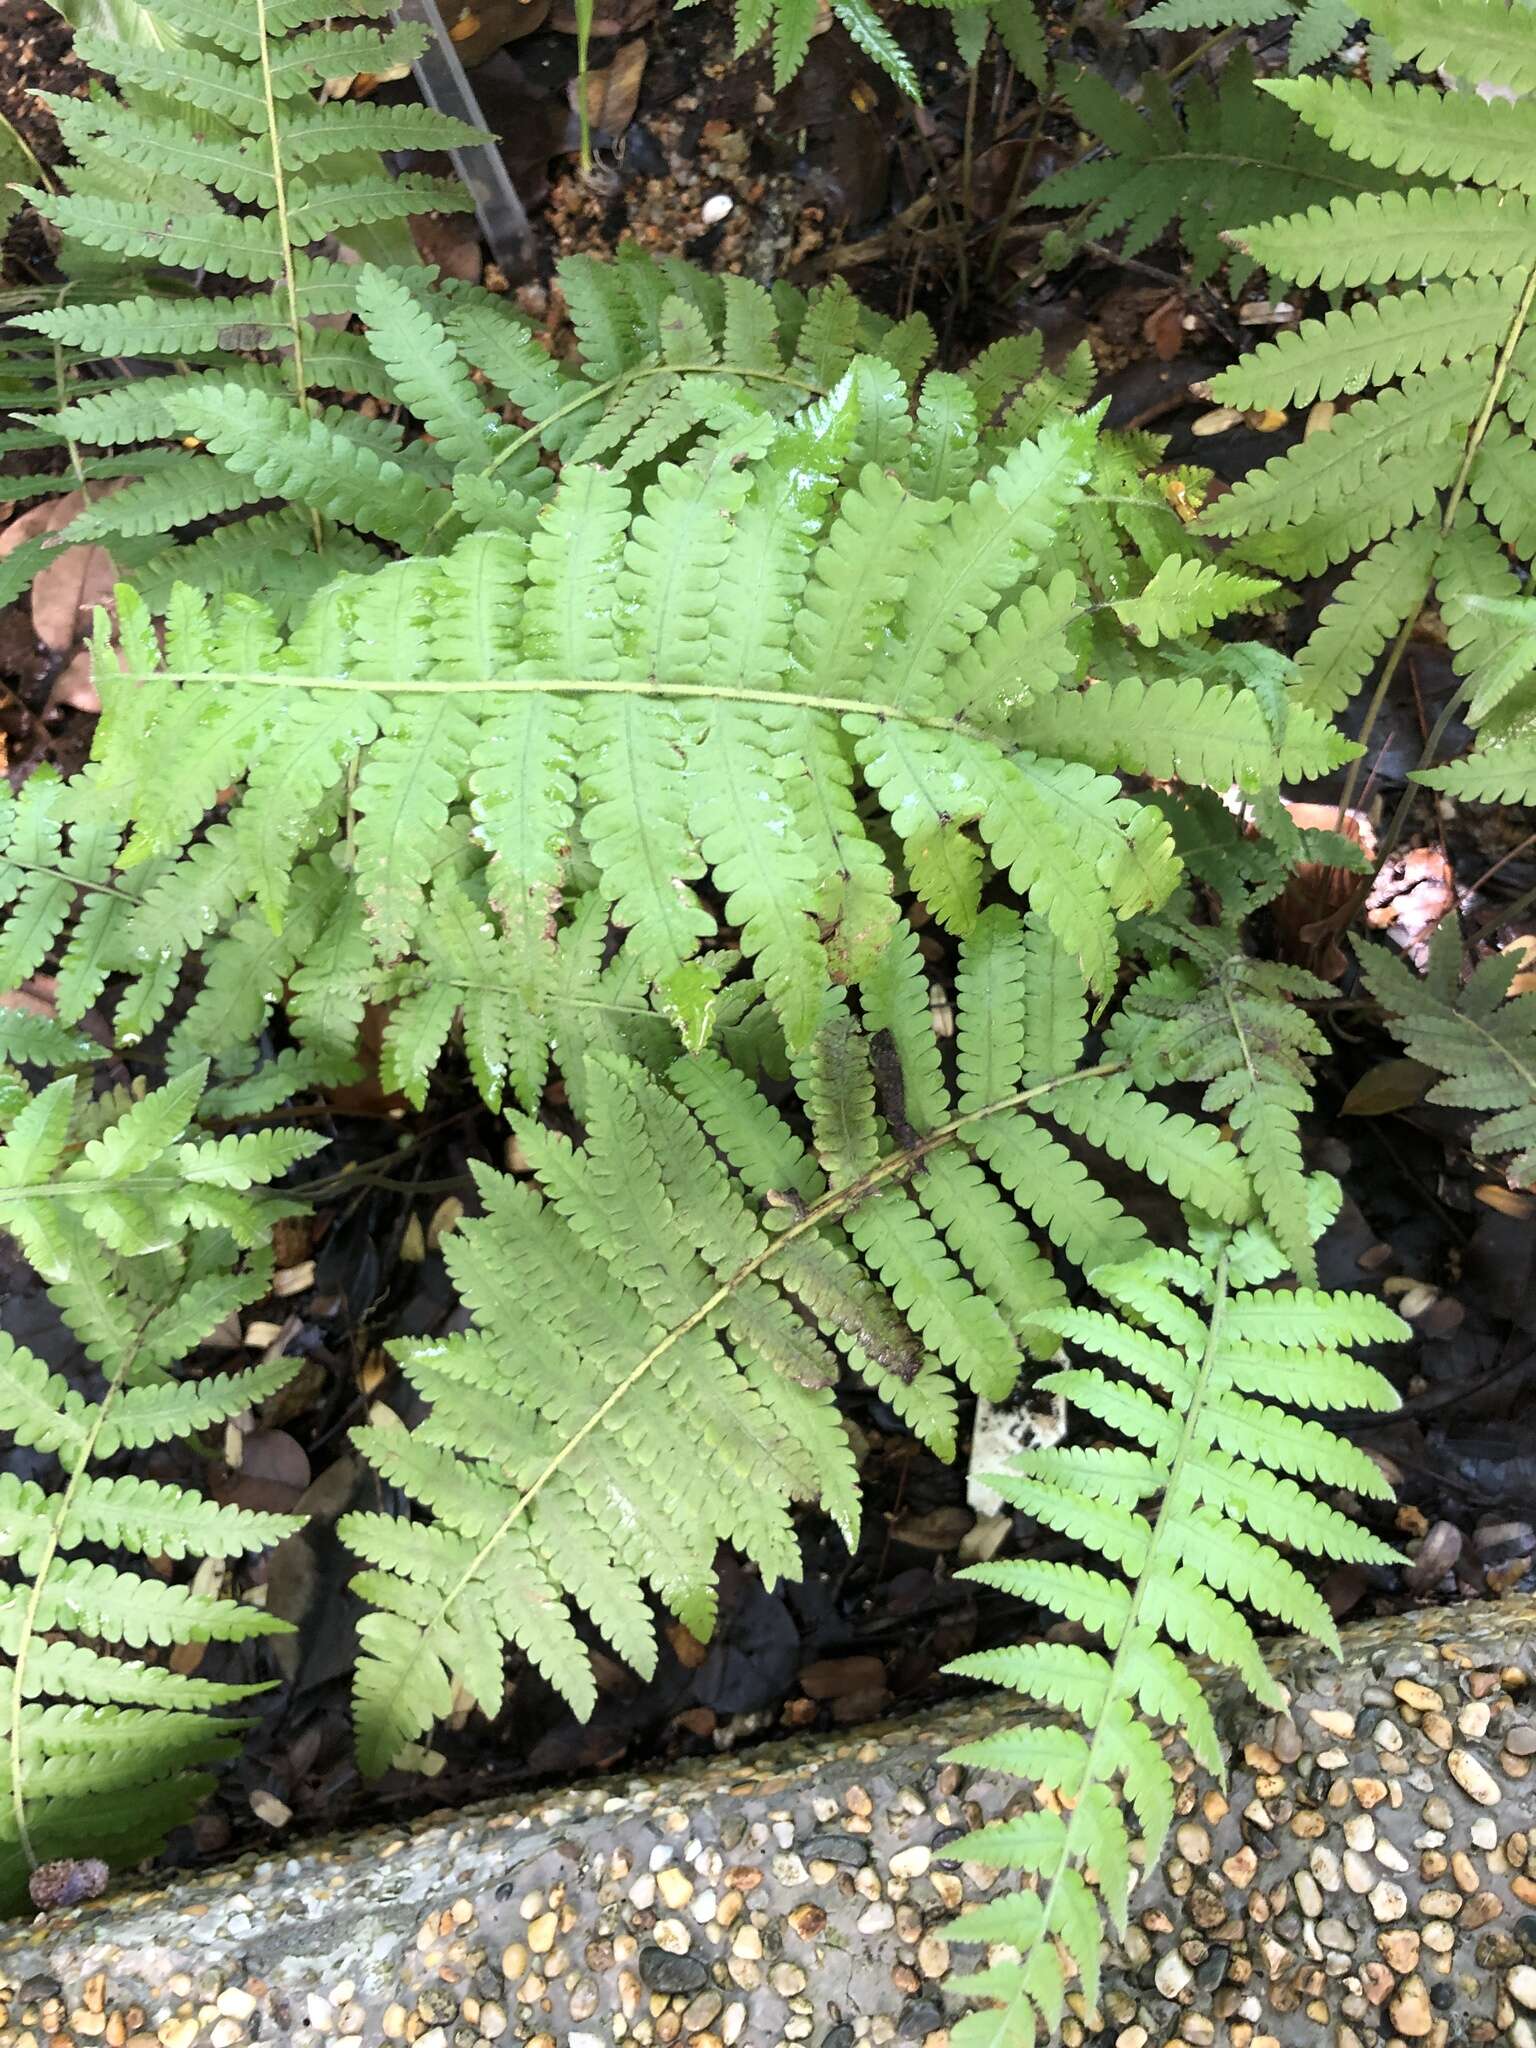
point(716, 208)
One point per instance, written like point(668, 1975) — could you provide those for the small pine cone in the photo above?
point(67, 1882)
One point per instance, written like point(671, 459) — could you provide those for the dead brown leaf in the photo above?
point(613, 93)
point(74, 581)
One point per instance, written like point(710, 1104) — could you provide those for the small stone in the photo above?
point(235, 2004)
point(493, 2020)
point(1473, 1777)
point(1413, 1694)
point(1173, 1976)
point(180, 2032)
point(1358, 1874)
point(933, 1956)
point(851, 1851)
point(1360, 1832)
point(1410, 2011)
point(1388, 1901)
point(542, 1932)
point(1333, 1721)
point(660, 1970)
point(1401, 1949)
point(1473, 1720)
point(1336, 1934)
point(877, 1919)
point(703, 2011)
point(788, 1979)
point(675, 1886)
point(1521, 1739)
point(909, 1863)
point(748, 1943)
point(1193, 1843)
point(673, 1936)
point(1241, 1868)
point(1441, 1905)
point(1309, 1894)
point(1521, 1986)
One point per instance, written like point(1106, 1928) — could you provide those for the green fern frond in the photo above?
point(1379, 238)
point(1186, 1570)
point(700, 1265)
point(139, 1227)
point(1224, 156)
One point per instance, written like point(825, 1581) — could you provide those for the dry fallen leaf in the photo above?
point(614, 92)
point(64, 592)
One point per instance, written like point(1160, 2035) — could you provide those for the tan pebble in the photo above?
point(730, 1909)
point(1413, 1694)
point(1481, 1909)
point(1377, 1982)
point(1333, 1759)
point(1439, 1730)
point(179, 2032)
point(1441, 1905)
point(235, 2004)
point(675, 1886)
point(808, 1921)
point(933, 1956)
point(1332, 1721)
point(742, 1877)
point(857, 1800)
point(731, 2026)
point(493, 2020)
point(1388, 1901)
point(1473, 1719)
point(1239, 1868)
point(911, 1862)
point(1360, 1832)
point(1309, 1825)
point(748, 1942)
point(1473, 1777)
point(1464, 1871)
point(1410, 2011)
point(514, 1960)
point(876, 1919)
point(1400, 1946)
point(1194, 1844)
point(673, 1936)
point(1370, 1792)
point(542, 1933)
point(949, 1888)
point(394, 2021)
point(226, 2034)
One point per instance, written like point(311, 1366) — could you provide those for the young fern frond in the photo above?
point(700, 1268)
point(1210, 1463)
point(1478, 1036)
point(149, 1236)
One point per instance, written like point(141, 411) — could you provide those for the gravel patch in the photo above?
point(1366, 1875)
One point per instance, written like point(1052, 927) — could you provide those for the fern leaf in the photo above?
point(1459, 135)
point(1411, 236)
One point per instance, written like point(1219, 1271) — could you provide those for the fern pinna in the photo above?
point(148, 1234)
point(704, 1263)
point(671, 695)
point(1426, 486)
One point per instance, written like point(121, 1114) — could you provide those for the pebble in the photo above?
point(1388, 1901)
point(1521, 1986)
point(542, 1932)
point(1473, 1777)
point(1173, 1976)
point(851, 1851)
point(878, 1918)
point(660, 1970)
point(1410, 2011)
point(913, 1862)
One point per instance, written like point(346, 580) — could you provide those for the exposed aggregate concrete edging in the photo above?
point(1366, 1877)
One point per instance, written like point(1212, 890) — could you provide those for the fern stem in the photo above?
point(1096, 1770)
point(832, 1205)
point(61, 1503)
point(280, 202)
point(565, 686)
point(1495, 387)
